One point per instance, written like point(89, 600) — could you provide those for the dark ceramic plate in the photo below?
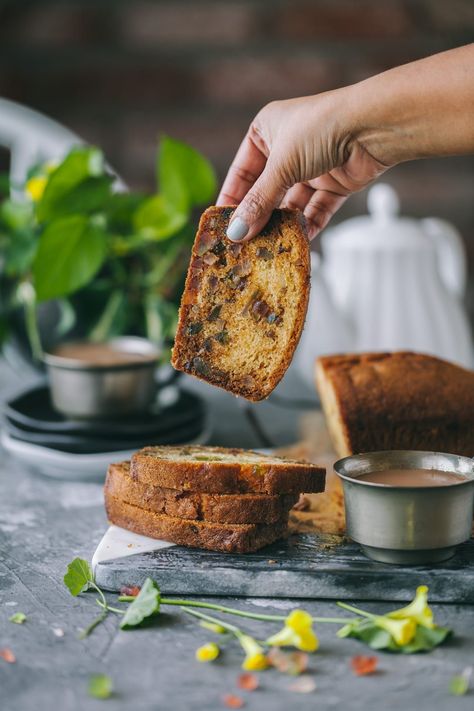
point(78, 444)
point(32, 412)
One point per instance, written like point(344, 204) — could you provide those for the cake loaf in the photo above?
point(402, 400)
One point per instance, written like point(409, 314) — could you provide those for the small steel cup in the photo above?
point(407, 525)
point(83, 390)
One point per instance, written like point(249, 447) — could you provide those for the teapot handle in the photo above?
point(450, 251)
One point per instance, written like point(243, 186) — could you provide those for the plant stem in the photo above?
point(96, 587)
point(29, 301)
point(222, 608)
point(233, 611)
point(93, 625)
point(243, 613)
point(231, 628)
point(109, 608)
point(351, 608)
point(102, 328)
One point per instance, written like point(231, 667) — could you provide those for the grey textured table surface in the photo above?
point(45, 523)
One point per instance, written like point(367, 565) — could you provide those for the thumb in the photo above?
point(253, 213)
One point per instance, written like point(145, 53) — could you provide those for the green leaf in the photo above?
point(426, 639)
point(376, 638)
point(89, 196)
point(459, 684)
point(100, 686)
point(146, 604)
point(4, 183)
point(78, 166)
point(18, 618)
point(22, 246)
point(71, 251)
point(79, 576)
point(185, 177)
point(157, 218)
point(120, 209)
point(16, 215)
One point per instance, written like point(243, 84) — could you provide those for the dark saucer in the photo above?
point(30, 417)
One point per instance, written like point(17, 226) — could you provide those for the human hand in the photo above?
point(300, 153)
point(313, 152)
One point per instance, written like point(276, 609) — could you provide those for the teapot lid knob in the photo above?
point(383, 202)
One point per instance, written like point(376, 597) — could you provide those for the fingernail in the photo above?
point(237, 230)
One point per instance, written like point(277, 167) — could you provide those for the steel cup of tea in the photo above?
point(408, 524)
point(110, 379)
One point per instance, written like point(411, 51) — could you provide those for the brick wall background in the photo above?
point(119, 73)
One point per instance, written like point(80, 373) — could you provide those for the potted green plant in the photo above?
point(80, 259)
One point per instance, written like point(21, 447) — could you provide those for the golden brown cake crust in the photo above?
point(400, 400)
point(244, 304)
point(227, 538)
point(198, 469)
point(216, 508)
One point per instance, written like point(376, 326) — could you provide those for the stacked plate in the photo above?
point(43, 438)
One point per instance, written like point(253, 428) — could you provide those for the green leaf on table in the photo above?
point(71, 251)
point(18, 618)
point(146, 604)
point(157, 218)
point(79, 576)
point(100, 686)
point(80, 164)
point(185, 177)
point(426, 639)
point(459, 684)
point(368, 632)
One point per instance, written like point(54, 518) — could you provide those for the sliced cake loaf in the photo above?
point(218, 470)
point(244, 304)
point(217, 508)
point(228, 538)
point(403, 400)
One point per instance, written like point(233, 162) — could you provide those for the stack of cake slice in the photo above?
point(221, 499)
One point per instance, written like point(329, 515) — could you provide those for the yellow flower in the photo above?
point(297, 632)
point(208, 652)
point(402, 631)
point(417, 610)
point(35, 187)
point(255, 659)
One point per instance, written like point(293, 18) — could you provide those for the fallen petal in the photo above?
point(362, 665)
point(279, 659)
point(232, 701)
point(247, 682)
point(7, 655)
point(303, 685)
point(298, 662)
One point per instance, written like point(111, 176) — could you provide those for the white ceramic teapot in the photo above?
point(396, 282)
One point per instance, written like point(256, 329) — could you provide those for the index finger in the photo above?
point(246, 167)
